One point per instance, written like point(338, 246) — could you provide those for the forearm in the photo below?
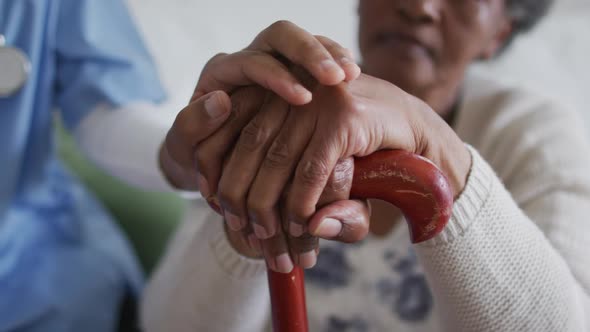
point(492, 269)
point(204, 285)
point(126, 142)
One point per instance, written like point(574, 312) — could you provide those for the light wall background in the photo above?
point(183, 34)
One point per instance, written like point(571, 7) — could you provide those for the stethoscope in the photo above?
point(14, 69)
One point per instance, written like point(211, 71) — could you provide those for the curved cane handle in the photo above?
point(412, 183)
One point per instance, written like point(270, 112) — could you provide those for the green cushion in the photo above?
point(147, 218)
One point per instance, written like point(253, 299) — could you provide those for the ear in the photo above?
point(499, 38)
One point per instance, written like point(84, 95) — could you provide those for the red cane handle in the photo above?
point(412, 183)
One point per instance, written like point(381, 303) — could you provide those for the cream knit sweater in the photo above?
point(514, 257)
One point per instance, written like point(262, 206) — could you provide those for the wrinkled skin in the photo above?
point(279, 159)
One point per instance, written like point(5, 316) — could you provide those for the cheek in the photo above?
point(465, 37)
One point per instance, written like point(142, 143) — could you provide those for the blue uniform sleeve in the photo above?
point(101, 59)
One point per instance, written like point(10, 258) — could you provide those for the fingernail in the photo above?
point(307, 260)
point(300, 89)
point(332, 66)
point(234, 222)
point(328, 228)
point(203, 185)
point(260, 232)
point(329, 65)
point(214, 204)
point(296, 229)
point(213, 107)
point(254, 243)
point(283, 263)
point(346, 62)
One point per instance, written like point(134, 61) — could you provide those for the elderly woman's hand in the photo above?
point(202, 135)
point(258, 64)
point(292, 167)
point(250, 152)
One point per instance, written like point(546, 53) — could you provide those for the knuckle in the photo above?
point(257, 208)
point(341, 178)
point(274, 67)
point(244, 101)
point(309, 50)
point(312, 172)
point(278, 156)
point(230, 199)
point(307, 44)
point(301, 214)
point(325, 41)
point(253, 136)
point(238, 107)
point(280, 25)
point(334, 47)
point(212, 64)
point(299, 211)
point(215, 59)
point(348, 52)
point(257, 56)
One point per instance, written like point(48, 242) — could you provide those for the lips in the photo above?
point(404, 41)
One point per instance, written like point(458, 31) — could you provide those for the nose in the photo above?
point(420, 11)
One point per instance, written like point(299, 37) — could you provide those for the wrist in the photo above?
point(454, 160)
point(438, 142)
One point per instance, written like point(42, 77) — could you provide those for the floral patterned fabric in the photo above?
point(390, 283)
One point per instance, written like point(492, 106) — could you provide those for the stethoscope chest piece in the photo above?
point(14, 69)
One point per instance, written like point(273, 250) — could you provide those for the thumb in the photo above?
point(207, 114)
point(344, 221)
point(197, 121)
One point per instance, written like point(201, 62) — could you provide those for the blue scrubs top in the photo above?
point(64, 265)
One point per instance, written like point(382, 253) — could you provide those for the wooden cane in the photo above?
point(412, 183)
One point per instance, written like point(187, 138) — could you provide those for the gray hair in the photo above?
point(525, 14)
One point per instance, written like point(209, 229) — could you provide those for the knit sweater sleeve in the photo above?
point(203, 284)
point(516, 260)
